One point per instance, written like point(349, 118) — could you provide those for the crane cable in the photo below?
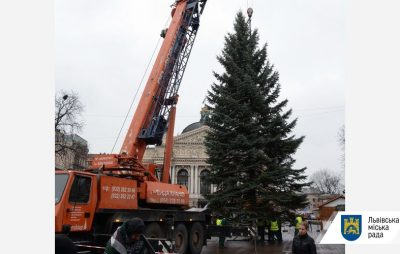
point(140, 85)
point(251, 3)
point(249, 13)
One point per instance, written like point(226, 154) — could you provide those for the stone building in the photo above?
point(188, 162)
point(314, 198)
point(74, 154)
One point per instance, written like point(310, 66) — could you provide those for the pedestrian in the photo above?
point(267, 226)
point(298, 221)
point(129, 239)
point(320, 223)
point(261, 229)
point(275, 230)
point(309, 218)
point(302, 242)
point(64, 245)
point(220, 223)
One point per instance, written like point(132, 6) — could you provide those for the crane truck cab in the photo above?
point(75, 201)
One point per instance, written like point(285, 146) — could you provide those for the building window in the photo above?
point(205, 188)
point(183, 177)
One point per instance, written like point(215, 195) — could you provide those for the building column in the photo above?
point(196, 179)
point(172, 175)
point(192, 179)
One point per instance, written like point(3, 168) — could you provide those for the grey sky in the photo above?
point(103, 47)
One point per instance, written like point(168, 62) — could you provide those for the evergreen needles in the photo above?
point(250, 145)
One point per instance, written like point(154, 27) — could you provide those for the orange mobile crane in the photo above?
point(91, 204)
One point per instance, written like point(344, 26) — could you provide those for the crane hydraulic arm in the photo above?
point(152, 115)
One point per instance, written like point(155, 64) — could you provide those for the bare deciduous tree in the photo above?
point(342, 143)
point(68, 110)
point(327, 181)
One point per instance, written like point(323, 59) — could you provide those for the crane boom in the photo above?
point(152, 115)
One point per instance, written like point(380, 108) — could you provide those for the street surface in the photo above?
point(242, 246)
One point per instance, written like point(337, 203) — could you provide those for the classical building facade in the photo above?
point(188, 162)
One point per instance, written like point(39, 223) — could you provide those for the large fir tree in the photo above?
point(250, 145)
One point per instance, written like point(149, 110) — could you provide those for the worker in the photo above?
point(220, 223)
point(275, 229)
point(261, 229)
point(128, 239)
point(64, 245)
point(303, 243)
point(298, 221)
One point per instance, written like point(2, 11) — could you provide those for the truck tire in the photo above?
point(181, 238)
point(196, 238)
point(153, 230)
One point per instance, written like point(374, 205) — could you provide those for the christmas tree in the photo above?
point(250, 143)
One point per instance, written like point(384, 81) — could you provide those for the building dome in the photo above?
point(205, 112)
point(192, 126)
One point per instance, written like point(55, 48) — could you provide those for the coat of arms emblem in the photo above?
point(351, 227)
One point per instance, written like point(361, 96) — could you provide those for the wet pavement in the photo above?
point(245, 246)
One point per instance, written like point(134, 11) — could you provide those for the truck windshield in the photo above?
point(61, 180)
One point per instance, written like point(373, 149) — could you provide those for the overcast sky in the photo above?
point(103, 47)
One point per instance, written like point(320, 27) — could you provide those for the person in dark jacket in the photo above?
point(64, 245)
point(261, 229)
point(302, 242)
point(128, 239)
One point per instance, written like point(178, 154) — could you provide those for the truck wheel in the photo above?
point(153, 230)
point(181, 239)
point(196, 238)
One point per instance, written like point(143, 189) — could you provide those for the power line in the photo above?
point(137, 90)
point(321, 113)
point(325, 110)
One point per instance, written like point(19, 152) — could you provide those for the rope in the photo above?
point(140, 85)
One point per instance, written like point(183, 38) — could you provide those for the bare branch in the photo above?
point(327, 181)
point(68, 110)
point(342, 143)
